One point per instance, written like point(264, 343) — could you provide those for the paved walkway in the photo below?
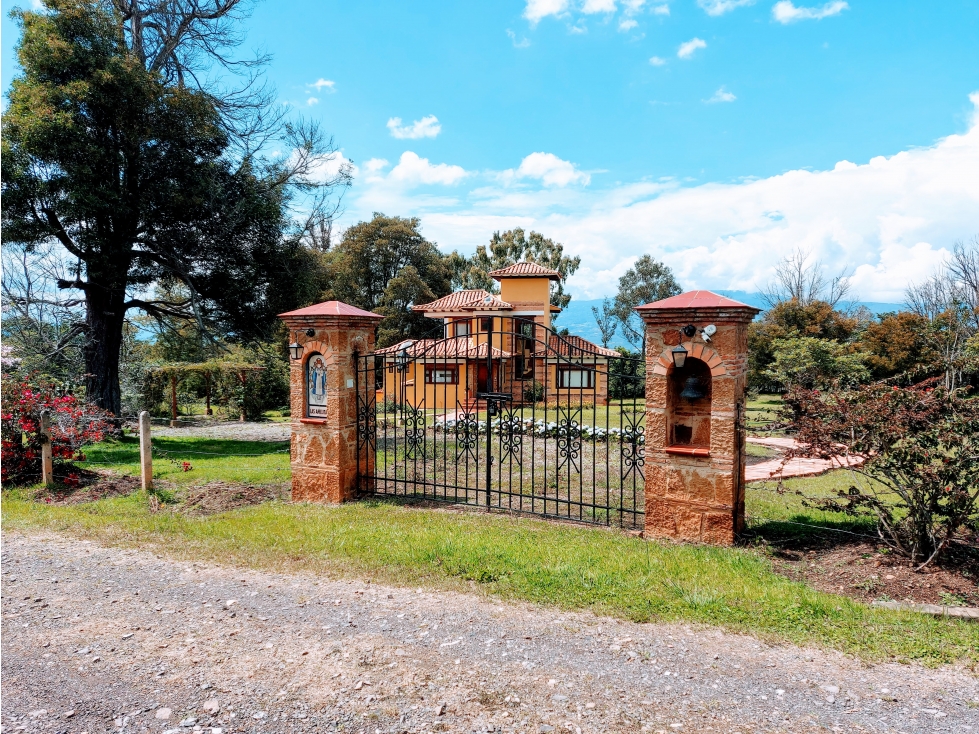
point(103, 639)
point(779, 468)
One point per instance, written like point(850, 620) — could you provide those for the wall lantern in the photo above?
point(402, 360)
point(296, 349)
point(679, 356)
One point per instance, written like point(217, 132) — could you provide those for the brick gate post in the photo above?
point(695, 416)
point(323, 398)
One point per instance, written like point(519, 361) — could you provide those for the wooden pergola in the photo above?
point(176, 372)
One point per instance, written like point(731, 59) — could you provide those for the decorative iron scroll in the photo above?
point(511, 439)
point(414, 421)
point(633, 446)
point(366, 424)
point(569, 437)
point(467, 434)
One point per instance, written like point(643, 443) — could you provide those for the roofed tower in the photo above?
point(527, 287)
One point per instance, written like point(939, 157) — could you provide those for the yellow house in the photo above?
point(496, 344)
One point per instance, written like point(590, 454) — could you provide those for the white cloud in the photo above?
point(320, 84)
point(892, 219)
point(661, 9)
point(627, 25)
point(427, 127)
point(631, 7)
point(786, 12)
point(523, 43)
point(549, 170)
point(598, 6)
point(719, 7)
point(311, 101)
point(414, 170)
point(721, 95)
point(687, 48)
point(657, 61)
point(327, 168)
point(374, 165)
point(536, 10)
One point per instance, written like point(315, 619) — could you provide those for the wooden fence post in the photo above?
point(173, 402)
point(47, 460)
point(145, 452)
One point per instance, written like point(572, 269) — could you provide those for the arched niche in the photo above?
point(315, 380)
point(688, 429)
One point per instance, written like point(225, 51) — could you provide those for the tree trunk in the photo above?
point(104, 318)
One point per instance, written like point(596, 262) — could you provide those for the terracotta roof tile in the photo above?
point(451, 348)
point(525, 270)
point(696, 299)
point(332, 308)
point(574, 346)
point(464, 301)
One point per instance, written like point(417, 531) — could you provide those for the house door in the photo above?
point(482, 381)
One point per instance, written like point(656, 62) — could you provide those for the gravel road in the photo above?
point(101, 639)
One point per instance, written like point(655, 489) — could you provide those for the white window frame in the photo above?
point(432, 373)
point(565, 380)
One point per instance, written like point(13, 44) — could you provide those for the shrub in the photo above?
point(73, 425)
point(921, 451)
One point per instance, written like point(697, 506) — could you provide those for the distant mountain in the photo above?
point(579, 319)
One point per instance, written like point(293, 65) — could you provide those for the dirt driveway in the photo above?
point(98, 639)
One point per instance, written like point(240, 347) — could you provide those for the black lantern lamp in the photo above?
point(296, 349)
point(679, 356)
point(402, 360)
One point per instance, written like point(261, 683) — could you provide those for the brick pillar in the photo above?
point(695, 445)
point(324, 404)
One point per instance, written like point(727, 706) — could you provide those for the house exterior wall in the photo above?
point(528, 294)
point(696, 491)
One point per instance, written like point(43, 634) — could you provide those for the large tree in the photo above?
point(647, 281)
point(124, 145)
point(387, 266)
point(508, 248)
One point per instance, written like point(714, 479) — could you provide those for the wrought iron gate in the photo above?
point(523, 420)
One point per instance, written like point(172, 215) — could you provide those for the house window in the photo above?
point(441, 374)
point(462, 328)
point(575, 378)
point(486, 324)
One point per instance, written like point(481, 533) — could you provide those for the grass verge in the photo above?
point(518, 559)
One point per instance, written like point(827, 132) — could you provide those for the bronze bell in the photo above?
point(693, 390)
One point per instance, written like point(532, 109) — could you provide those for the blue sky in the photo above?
point(717, 135)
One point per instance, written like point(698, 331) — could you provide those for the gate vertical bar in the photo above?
point(489, 416)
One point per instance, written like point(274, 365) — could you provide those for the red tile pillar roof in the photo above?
point(323, 451)
point(695, 447)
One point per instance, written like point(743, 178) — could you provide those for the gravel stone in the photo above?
point(292, 657)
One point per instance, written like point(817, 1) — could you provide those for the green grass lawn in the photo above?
point(761, 410)
point(509, 558)
point(245, 462)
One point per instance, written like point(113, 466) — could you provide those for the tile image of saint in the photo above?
point(316, 387)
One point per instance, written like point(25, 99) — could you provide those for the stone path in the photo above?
point(100, 639)
point(777, 467)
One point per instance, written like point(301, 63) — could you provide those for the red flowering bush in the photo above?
point(920, 479)
point(73, 425)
